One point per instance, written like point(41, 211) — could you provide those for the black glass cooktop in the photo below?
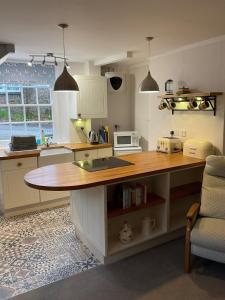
point(101, 163)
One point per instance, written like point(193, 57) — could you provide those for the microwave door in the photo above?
point(123, 140)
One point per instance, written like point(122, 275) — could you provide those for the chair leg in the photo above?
point(187, 252)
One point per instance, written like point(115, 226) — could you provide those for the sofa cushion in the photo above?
point(213, 188)
point(215, 165)
point(209, 233)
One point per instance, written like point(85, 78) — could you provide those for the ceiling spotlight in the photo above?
point(30, 63)
point(67, 65)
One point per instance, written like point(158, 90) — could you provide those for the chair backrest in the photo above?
point(213, 188)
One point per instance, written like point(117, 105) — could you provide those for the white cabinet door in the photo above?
point(50, 160)
point(92, 98)
point(105, 152)
point(16, 192)
point(86, 154)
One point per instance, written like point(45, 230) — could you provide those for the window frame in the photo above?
point(5, 89)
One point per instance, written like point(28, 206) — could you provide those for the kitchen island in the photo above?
point(172, 181)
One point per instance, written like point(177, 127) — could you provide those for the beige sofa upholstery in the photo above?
point(208, 233)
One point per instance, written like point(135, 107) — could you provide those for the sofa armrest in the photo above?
point(192, 214)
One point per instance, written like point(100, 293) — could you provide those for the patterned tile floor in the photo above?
point(37, 249)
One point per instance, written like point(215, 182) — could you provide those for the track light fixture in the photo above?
point(45, 59)
point(30, 63)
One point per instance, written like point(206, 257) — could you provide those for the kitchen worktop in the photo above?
point(71, 146)
point(67, 176)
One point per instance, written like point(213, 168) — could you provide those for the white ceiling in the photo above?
point(101, 28)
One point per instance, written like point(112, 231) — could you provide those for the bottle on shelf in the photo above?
point(43, 137)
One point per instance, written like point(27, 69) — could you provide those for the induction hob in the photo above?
point(101, 163)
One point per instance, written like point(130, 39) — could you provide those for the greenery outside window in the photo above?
point(25, 110)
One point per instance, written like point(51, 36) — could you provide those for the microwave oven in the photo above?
point(126, 139)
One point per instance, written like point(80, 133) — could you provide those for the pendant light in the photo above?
point(65, 82)
point(149, 85)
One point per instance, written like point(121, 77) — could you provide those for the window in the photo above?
point(25, 110)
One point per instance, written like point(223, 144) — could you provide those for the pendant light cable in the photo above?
point(149, 39)
point(64, 48)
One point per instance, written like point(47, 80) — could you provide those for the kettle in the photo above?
point(93, 137)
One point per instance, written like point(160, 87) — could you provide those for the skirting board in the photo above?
point(130, 251)
point(36, 207)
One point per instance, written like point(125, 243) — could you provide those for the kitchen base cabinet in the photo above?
point(105, 152)
point(14, 192)
point(47, 160)
point(93, 154)
point(85, 155)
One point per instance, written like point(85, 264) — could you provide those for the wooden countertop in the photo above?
point(73, 147)
point(85, 146)
point(70, 177)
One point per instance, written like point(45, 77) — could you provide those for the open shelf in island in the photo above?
point(152, 200)
point(116, 246)
point(185, 190)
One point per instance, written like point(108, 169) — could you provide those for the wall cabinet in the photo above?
point(14, 192)
point(91, 99)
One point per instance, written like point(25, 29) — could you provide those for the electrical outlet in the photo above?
point(176, 132)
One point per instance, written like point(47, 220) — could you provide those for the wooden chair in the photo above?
point(205, 231)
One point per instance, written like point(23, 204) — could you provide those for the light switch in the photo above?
point(183, 133)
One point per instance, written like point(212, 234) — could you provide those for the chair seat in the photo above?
point(209, 233)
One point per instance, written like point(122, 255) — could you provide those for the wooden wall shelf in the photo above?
point(152, 201)
point(185, 190)
point(180, 102)
point(192, 95)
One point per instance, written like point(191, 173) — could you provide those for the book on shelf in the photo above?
point(134, 195)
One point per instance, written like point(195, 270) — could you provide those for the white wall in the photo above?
point(120, 104)
point(120, 109)
point(202, 67)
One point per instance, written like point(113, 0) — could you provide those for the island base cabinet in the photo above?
point(16, 192)
point(99, 213)
point(89, 217)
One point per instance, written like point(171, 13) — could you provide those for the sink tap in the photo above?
point(48, 141)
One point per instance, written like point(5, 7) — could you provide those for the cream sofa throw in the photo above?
point(213, 188)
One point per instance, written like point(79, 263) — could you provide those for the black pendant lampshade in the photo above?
point(65, 82)
point(149, 85)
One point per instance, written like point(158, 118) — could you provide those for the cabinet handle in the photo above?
point(86, 154)
point(19, 164)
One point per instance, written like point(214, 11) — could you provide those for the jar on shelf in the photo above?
point(169, 87)
point(126, 233)
point(148, 226)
